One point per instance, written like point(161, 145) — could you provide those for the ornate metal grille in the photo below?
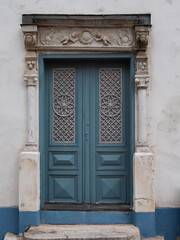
point(63, 105)
point(110, 115)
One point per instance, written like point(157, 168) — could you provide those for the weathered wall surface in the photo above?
point(163, 92)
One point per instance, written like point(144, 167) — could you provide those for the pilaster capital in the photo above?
point(30, 35)
point(142, 34)
point(142, 81)
point(31, 79)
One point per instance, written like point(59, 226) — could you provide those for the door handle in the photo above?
point(86, 134)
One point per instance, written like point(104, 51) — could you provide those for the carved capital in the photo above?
point(31, 79)
point(142, 33)
point(142, 81)
point(30, 35)
point(30, 39)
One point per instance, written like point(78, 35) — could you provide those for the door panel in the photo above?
point(87, 132)
point(65, 141)
point(109, 183)
point(110, 188)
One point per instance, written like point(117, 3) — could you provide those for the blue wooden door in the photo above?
point(87, 144)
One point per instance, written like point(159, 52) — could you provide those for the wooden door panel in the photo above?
point(111, 160)
point(60, 160)
point(65, 143)
point(110, 145)
point(111, 188)
point(87, 140)
point(63, 188)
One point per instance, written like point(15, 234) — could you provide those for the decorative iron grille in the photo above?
point(64, 105)
point(110, 116)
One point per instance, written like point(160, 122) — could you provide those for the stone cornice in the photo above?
point(98, 33)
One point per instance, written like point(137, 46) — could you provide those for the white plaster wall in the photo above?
point(163, 96)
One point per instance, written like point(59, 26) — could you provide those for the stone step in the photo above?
point(87, 232)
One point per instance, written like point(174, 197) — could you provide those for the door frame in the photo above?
point(42, 127)
point(86, 34)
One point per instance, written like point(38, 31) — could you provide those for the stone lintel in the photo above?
point(121, 33)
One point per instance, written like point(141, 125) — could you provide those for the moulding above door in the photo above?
point(121, 33)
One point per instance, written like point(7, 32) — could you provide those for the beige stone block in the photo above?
point(29, 28)
point(29, 181)
point(80, 232)
point(144, 196)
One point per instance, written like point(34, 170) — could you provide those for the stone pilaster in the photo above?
point(29, 158)
point(142, 80)
point(144, 197)
point(31, 79)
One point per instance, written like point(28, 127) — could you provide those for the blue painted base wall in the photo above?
point(28, 218)
point(146, 223)
point(76, 217)
point(9, 220)
point(168, 222)
point(164, 222)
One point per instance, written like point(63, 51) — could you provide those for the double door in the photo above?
point(86, 138)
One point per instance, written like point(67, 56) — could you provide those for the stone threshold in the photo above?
point(80, 232)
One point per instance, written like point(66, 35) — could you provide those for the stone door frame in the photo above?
point(63, 34)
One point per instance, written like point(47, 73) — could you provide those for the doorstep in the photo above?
point(87, 232)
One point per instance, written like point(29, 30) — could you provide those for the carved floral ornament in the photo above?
point(31, 64)
point(107, 37)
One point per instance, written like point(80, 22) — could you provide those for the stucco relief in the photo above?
point(55, 36)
